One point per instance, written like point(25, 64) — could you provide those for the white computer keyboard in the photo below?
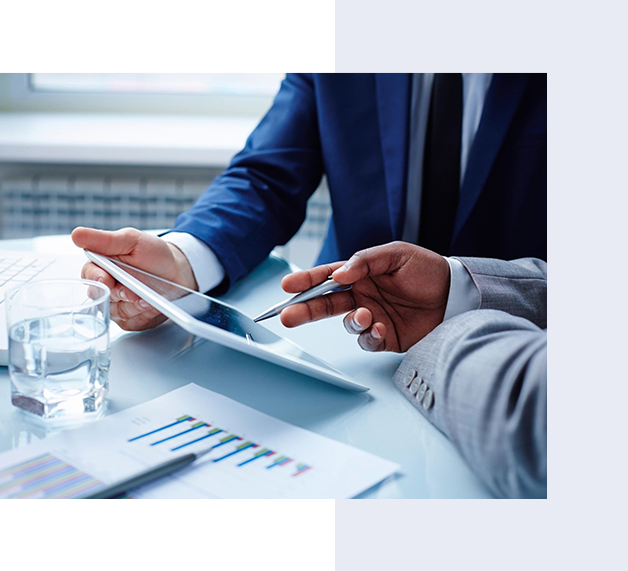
point(18, 269)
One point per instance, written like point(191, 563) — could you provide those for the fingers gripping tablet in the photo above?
point(219, 322)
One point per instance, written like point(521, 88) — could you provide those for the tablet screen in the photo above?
point(221, 323)
point(213, 312)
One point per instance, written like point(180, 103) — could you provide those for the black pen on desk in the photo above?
point(145, 477)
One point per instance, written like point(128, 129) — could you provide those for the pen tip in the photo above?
point(262, 317)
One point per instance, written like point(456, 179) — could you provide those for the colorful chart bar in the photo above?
point(261, 454)
point(227, 439)
point(280, 461)
point(179, 420)
point(240, 448)
point(212, 432)
point(28, 466)
point(195, 426)
point(277, 461)
point(45, 476)
point(301, 468)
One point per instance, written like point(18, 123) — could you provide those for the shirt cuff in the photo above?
point(464, 295)
point(208, 271)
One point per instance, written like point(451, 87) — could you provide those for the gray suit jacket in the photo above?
point(481, 378)
point(518, 287)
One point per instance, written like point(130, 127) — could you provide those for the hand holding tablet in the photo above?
point(141, 250)
point(221, 323)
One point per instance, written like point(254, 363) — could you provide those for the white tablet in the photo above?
point(221, 323)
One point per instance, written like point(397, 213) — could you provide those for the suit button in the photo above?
point(421, 393)
point(409, 377)
point(428, 400)
point(414, 387)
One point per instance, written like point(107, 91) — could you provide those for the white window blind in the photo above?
point(255, 84)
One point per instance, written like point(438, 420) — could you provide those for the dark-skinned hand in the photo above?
point(399, 294)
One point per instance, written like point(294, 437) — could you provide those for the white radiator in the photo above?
point(40, 205)
point(43, 204)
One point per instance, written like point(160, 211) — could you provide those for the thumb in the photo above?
point(118, 243)
point(374, 261)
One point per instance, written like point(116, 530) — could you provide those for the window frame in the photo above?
point(22, 97)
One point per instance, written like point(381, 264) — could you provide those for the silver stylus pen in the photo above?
point(145, 477)
point(316, 291)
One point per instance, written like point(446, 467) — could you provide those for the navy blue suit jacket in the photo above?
point(354, 128)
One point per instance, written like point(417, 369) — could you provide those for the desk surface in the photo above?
point(149, 364)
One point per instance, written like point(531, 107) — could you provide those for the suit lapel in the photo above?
point(393, 105)
point(502, 99)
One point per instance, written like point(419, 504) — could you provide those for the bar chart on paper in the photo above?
point(249, 455)
point(45, 476)
point(187, 431)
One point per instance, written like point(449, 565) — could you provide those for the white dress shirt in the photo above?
point(208, 271)
point(463, 293)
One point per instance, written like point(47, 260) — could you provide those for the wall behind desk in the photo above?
point(40, 199)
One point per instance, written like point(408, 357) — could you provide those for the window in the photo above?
point(172, 83)
point(203, 94)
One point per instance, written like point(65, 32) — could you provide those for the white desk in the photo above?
point(149, 364)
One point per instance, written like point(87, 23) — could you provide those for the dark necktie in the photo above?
point(441, 164)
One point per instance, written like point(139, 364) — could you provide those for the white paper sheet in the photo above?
point(254, 455)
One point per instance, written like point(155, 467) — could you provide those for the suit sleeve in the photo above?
point(481, 379)
point(518, 287)
point(259, 201)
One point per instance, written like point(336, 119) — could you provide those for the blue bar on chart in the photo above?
point(261, 454)
point(179, 420)
point(211, 433)
point(280, 461)
point(227, 439)
point(240, 448)
point(45, 476)
point(195, 426)
point(301, 468)
point(194, 429)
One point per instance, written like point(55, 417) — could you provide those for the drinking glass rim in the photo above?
point(106, 293)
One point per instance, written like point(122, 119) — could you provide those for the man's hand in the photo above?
point(399, 295)
point(143, 251)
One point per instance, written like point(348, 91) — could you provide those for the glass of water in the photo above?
point(59, 347)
